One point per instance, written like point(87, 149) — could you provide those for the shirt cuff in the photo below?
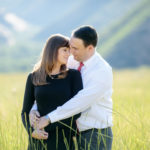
point(53, 117)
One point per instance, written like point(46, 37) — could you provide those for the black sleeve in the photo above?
point(27, 104)
point(76, 86)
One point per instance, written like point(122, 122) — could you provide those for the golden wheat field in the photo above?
point(131, 110)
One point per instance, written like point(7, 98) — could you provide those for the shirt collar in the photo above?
point(90, 60)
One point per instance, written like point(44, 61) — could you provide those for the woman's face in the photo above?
point(63, 55)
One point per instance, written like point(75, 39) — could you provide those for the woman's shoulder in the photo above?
point(30, 77)
point(74, 72)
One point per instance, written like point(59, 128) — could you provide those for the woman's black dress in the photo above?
point(48, 98)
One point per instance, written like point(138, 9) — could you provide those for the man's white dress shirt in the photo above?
point(94, 100)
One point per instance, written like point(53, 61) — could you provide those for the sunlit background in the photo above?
point(123, 27)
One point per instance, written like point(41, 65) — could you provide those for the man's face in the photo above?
point(78, 50)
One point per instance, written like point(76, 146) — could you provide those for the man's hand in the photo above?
point(40, 134)
point(43, 122)
point(34, 118)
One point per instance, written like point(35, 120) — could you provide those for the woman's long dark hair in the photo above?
point(49, 58)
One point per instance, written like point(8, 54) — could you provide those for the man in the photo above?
point(94, 101)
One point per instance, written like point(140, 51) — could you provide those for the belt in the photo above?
point(94, 129)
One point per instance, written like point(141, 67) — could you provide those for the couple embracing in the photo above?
point(67, 101)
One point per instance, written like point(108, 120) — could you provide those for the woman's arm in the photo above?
point(27, 104)
point(76, 85)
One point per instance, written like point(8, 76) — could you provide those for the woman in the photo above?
point(52, 84)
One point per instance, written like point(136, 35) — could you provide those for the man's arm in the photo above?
point(96, 88)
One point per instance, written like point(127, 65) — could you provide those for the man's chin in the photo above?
point(76, 58)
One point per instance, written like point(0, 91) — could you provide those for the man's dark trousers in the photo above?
point(95, 139)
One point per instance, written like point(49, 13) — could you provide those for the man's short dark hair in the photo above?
point(86, 33)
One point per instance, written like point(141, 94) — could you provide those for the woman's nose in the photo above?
point(68, 53)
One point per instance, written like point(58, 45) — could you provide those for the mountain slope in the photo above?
point(127, 44)
point(124, 27)
point(133, 50)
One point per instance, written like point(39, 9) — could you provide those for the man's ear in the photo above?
point(90, 48)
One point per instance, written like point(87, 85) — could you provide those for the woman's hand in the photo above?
point(43, 122)
point(40, 134)
point(34, 118)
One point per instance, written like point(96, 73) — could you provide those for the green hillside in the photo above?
point(118, 31)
